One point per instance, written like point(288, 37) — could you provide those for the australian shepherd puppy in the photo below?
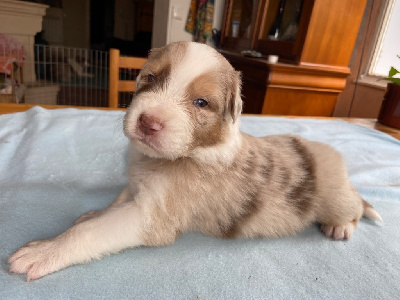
point(191, 169)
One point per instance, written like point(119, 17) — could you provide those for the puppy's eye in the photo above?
point(150, 78)
point(200, 102)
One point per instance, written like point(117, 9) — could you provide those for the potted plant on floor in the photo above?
point(390, 109)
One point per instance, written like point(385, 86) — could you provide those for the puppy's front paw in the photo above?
point(37, 259)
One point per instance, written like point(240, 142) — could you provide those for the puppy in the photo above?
point(191, 169)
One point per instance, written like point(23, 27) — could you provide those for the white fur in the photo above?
point(198, 61)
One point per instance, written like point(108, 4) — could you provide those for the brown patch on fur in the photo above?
point(267, 168)
point(160, 80)
point(250, 202)
point(208, 120)
point(249, 209)
point(302, 192)
point(233, 102)
point(249, 167)
point(159, 65)
point(208, 87)
point(285, 176)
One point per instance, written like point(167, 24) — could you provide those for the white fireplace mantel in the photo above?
point(22, 20)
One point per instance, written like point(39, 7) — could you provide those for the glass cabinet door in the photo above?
point(283, 28)
point(240, 24)
point(274, 27)
point(282, 20)
point(241, 17)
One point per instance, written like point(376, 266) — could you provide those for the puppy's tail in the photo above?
point(370, 212)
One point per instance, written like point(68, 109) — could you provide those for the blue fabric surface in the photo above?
point(57, 164)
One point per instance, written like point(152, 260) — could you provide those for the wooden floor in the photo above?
point(6, 108)
point(370, 123)
point(373, 123)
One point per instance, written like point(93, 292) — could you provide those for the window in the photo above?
point(388, 43)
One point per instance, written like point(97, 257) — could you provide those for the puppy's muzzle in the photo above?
point(149, 125)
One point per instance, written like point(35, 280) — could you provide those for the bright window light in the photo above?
point(388, 45)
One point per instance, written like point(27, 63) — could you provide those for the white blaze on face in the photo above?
point(198, 60)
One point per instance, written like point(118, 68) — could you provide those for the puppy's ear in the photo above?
point(137, 81)
point(234, 103)
point(155, 53)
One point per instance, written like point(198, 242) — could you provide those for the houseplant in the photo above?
point(390, 109)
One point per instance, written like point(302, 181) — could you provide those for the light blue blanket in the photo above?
point(57, 164)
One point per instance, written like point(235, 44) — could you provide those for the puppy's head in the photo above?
point(187, 97)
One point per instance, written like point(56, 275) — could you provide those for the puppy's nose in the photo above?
point(149, 124)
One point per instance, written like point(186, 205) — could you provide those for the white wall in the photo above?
point(160, 21)
point(170, 21)
point(219, 6)
point(178, 12)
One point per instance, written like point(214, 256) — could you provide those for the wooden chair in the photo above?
point(115, 83)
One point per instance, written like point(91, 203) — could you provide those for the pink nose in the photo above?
point(149, 124)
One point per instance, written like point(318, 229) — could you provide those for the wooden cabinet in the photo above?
point(314, 42)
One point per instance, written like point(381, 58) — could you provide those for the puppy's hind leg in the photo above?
point(339, 216)
point(124, 196)
point(339, 232)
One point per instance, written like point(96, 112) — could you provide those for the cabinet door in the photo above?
point(239, 27)
point(283, 27)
